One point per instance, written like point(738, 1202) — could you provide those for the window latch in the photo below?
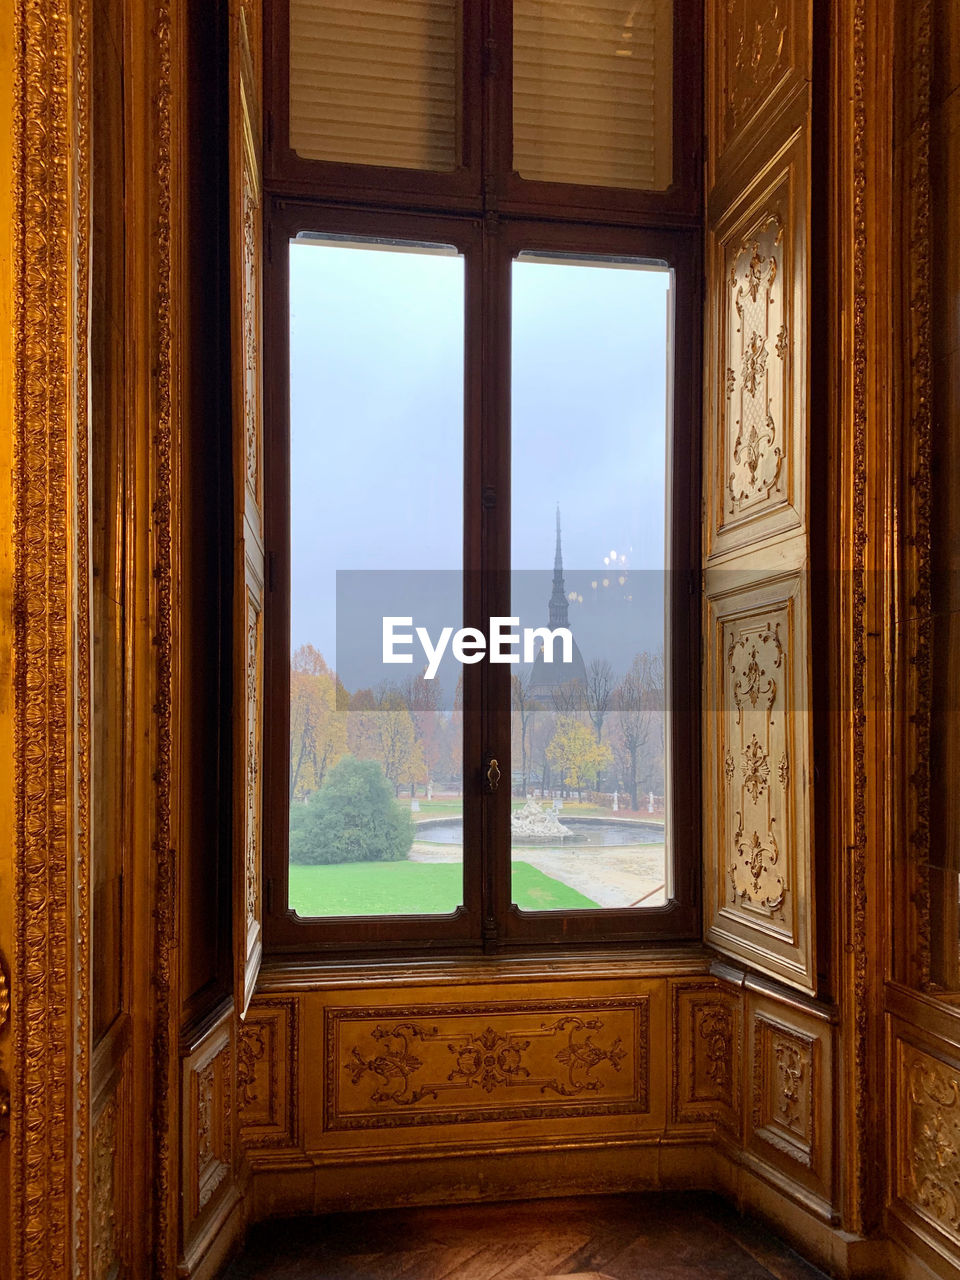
point(493, 775)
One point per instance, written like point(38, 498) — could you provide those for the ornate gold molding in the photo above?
point(49, 1094)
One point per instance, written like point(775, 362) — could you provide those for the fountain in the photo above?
point(533, 823)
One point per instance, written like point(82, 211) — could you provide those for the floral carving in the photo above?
point(783, 771)
point(715, 1027)
point(934, 1137)
point(105, 1244)
point(753, 682)
point(791, 1068)
point(729, 766)
point(783, 345)
point(755, 34)
point(731, 382)
point(490, 1060)
point(755, 450)
point(253, 766)
point(753, 872)
point(4, 996)
point(581, 1057)
point(756, 769)
point(251, 1049)
point(754, 363)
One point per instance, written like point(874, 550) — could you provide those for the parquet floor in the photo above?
point(625, 1237)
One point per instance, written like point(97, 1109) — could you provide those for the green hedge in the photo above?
point(352, 818)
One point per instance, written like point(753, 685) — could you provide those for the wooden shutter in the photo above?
point(246, 233)
point(758, 892)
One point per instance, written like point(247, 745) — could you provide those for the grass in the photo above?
point(412, 888)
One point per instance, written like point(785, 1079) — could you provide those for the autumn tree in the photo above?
point(318, 735)
point(577, 754)
point(379, 727)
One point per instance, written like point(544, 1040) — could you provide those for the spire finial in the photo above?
point(558, 600)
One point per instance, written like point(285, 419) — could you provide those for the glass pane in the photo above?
point(589, 464)
point(375, 82)
point(593, 92)
point(376, 492)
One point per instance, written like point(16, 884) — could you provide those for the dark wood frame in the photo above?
point(485, 178)
point(465, 209)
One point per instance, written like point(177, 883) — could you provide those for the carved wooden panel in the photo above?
point(928, 1137)
point(208, 1124)
point(789, 1065)
point(454, 1064)
point(755, 467)
point(758, 58)
point(758, 877)
point(106, 1207)
point(267, 1050)
point(707, 1055)
point(246, 270)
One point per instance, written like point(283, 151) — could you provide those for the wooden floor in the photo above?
point(625, 1237)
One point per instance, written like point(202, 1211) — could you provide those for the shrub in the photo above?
point(352, 818)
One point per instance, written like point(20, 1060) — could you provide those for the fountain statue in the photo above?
point(533, 823)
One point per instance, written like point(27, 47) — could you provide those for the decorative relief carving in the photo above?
point(4, 996)
point(4, 1111)
point(267, 1074)
point(755, 314)
point(491, 1061)
point(706, 1055)
point(933, 1138)
point(488, 1068)
point(755, 35)
point(103, 1210)
point(755, 658)
point(785, 1090)
point(253, 761)
point(251, 328)
point(212, 1126)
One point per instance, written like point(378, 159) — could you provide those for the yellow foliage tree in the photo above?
point(318, 732)
point(576, 753)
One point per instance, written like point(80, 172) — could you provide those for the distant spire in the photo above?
point(559, 608)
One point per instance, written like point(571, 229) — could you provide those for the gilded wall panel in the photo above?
point(106, 1203)
point(707, 1053)
point(208, 1124)
point(267, 1074)
point(757, 359)
point(758, 875)
point(928, 1137)
point(788, 1066)
point(758, 58)
point(450, 1064)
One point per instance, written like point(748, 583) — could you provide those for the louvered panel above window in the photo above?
point(376, 82)
point(592, 92)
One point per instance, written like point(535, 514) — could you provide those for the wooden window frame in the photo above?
point(464, 209)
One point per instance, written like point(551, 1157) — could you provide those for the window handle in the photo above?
point(493, 774)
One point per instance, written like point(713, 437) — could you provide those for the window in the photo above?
point(482, 371)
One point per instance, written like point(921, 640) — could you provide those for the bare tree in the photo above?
point(524, 709)
point(634, 700)
point(599, 693)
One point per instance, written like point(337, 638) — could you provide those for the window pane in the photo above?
point(375, 82)
point(589, 464)
point(376, 493)
point(592, 92)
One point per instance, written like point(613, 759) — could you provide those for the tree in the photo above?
point(639, 703)
point(577, 754)
point(318, 733)
point(380, 728)
point(599, 693)
point(524, 710)
point(352, 818)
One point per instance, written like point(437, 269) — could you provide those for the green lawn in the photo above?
point(412, 888)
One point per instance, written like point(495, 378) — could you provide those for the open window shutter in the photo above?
point(246, 237)
point(758, 863)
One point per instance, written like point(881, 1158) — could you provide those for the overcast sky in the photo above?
point(377, 420)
